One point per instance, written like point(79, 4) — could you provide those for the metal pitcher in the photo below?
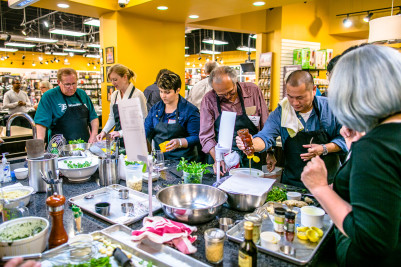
point(108, 171)
point(35, 166)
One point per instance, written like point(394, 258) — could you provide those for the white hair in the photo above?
point(366, 87)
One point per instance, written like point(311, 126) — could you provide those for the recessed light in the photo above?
point(259, 3)
point(63, 5)
point(162, 8)
point(193, 16)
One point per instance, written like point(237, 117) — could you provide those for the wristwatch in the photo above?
point(325, 151)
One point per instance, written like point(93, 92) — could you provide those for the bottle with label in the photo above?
point(248, 252)
point(54, 150)
point(5, 168)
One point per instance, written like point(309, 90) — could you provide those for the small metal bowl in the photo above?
point(103, 208)
point(123, 193)
point(68, 150)
point(127, 207)
point(191, 203)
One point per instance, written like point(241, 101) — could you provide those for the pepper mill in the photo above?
point(58, 235)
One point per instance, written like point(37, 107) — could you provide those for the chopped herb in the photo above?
point(277, 194)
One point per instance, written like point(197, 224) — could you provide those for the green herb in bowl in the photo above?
point(77, 141)
point(277, 194)
point(77, 165)
point(193, 172)
point(78, 149)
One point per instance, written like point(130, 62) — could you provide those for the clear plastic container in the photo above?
point(133, 176)
point(214, 245)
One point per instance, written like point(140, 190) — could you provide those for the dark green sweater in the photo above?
point(371, 182)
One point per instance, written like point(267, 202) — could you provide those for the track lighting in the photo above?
point(347, 22)
point(8, 38)
point(23, 56)
point(82, 46)
point(46, 23)
point(368, 17)
point(56, 46)
point(23, 31)
point(23, 63)
point(399, 12)
point(11, 62)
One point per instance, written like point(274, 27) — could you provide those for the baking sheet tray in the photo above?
point(165, 254)
point(110, 194)
point(304, 249)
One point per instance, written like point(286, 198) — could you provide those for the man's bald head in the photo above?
point(299, 77)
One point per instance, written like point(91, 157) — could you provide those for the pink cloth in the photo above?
point(161, 230)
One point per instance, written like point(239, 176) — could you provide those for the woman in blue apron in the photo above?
point(122, 79)
point(175, 120)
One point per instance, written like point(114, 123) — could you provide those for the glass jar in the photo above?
point(289, 226)
point(192, 178)
point(256, 219)
point(133, 176)
point(214, 245)
point(279, 217)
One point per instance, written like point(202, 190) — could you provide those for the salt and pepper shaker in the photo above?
point(58, 235)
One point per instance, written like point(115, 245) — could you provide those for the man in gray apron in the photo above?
point(307, 128)
point(67, 110)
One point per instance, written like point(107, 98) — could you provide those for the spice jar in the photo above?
point(289, 226)
point(279, 216)
point(214, 245)
point(256, 219)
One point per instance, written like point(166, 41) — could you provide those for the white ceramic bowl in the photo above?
point(312, 216)
point(29, 245)
point(294, 196)
point(254, 172)
point(21, 173)
point(14, 202)
point(78, 174)
point(270, 240)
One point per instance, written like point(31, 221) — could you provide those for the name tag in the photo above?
point(170, 121)
point(255, 120)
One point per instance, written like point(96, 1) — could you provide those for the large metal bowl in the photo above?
point(244, 202)
point(191, 203)
point(68, 150)
point(77, 175)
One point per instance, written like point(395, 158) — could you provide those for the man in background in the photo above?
point(201, 88)
point(152, 93)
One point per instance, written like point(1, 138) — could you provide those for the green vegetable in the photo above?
point(277, 194)
point(78, 149)
point(78, 141)
point(77, 165)
point(127, 162)
point(99, 262)
point(193, 167)
point(76, 211)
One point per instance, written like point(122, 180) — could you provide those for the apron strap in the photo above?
point(316, 107)
point(130, 94)
point(177, 115)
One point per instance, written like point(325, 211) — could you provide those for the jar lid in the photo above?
point(290, 215)
point(253, 217)
point(214, 234)
point(279, 211)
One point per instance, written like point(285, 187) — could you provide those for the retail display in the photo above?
point(91, 83)
point(264, 78)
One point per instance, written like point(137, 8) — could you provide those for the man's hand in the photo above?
point(21, 103)
point(92, 139)
point(240, 144)
point(313, 151)
point(18, 260)
point(222, 167)
point(100, 136)
point(271, 162)
point(114, 134)
point(172, 145)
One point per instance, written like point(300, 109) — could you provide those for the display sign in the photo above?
point(265, 59)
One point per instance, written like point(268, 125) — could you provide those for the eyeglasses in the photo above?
point(230, 93)
point(69, 84)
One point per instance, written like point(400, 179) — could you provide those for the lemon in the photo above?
point(302, 236)
point(256, 159)
point(318, 230)
point(302, 229)
point(312, 235)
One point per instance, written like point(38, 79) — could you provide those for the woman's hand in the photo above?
point(314, 175)
point(350, 135)
point(172, 145)
point(100, 136)
point(114, 134)
point(17, 261)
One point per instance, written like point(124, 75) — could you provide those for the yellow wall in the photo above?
point(143, 45)
point(76, 62)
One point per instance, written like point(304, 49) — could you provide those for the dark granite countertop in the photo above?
point(37, 207)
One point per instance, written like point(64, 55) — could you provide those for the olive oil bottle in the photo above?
point(247, 254)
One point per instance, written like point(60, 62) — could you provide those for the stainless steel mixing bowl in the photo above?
point(68, 150)
point(191, 203)
point(244, 202)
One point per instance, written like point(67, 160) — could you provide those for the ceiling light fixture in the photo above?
point(62, 5)
point(368, 17)
point(71, 54)
point(23, 31)
point(93, 45)
point(259, 3)
point(59, 54)
point(74, 50)
point(209, 40)
point(56, 46)
point(254, 36)
point(210, 52)
point(48, 53)
point(41, 40)
point(65, 60)
point(186, 55)
point(40, 58)
point(66, 32)
point(347, 22)
point(162, 8)
point(246, 49)
point(15, 44)
point(92, 22)
point(399, 12)
point(19, 4)
point(8, 38)
point(186, 47)
point(193, 16)
point(47, 62)
point(46, 23)
point(10, 50)
point(93, 55)
point(33, 64)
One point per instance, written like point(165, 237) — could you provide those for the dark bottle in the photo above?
point(289, 226)
point(248, 252)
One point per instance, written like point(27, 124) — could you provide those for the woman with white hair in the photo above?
point(43, 86)
point(365, 202)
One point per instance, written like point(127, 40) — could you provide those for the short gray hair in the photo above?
point(210, 66)
point(217, 74)
point(47, 84)
point(365, 87)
